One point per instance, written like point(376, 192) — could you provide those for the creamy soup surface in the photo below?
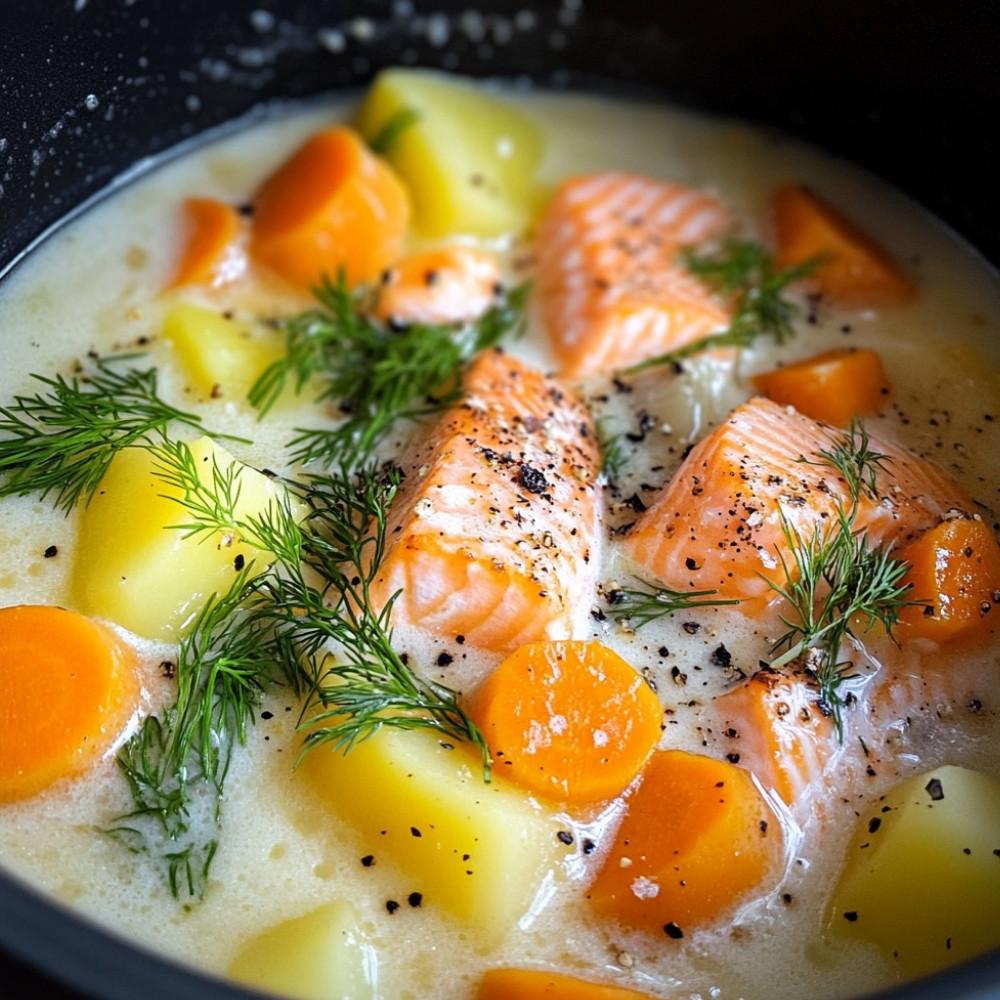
point(95, 287)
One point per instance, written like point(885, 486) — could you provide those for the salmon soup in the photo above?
point(592, 591)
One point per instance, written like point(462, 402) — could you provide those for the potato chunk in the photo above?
point(480, 851)
point(131, 567)
point(468, 160)
point(219, 355)
point(922, 881)
point(319, 956)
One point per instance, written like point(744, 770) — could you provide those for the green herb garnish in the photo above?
point(835, 577)
point(61, 441)
point(743, 272)
point(389, 134)
point(643, 605)
point(376, 375)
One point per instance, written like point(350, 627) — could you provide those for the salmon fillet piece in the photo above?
point(610, 290)
point(494, 533)
point(717, 523)
point(774, 727)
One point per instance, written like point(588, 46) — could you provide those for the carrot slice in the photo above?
point(570, 720)
point(211, 252)
point(855, 270)
point(67, 690)
point(832, 387)
point(697, 839)
point(447, 285)
point(956, 567)
point(527, 984)
point(334, 206)
point(778, 732)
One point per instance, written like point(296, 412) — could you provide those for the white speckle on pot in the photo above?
point(503, 31)
point(331, 39)
point(362, 29)
point(557, 40)
point(402, 8)
point(525, 20)
point(78, 5)
point(192, 102)
point(438, 30)
point(472, 23)
point(91, 103)
point(262, 20)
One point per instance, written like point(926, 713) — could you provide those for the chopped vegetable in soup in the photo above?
point(505, 544)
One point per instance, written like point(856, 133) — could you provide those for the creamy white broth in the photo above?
point(95, 286)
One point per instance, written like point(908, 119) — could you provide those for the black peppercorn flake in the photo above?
point(564, 837)
point(415, 832)
point(368, 860)
point(51, 552)
point(391, 905)
point(851, 916)
point(239, 562)
point(934, 789)
point(444, 659)
point(673, 931)
point(874, 824)
point(415, 899)
point(589, 847)
point(533, 480)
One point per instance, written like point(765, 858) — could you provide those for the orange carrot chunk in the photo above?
point(774, 725)
point(569, 720)
point(955, 566)
point(832, 387)
point(67, 690)
point(527, 984)
point(854, 270)
point(334, 206)
point(697, 839)
point(448, 285)
point(212, 253)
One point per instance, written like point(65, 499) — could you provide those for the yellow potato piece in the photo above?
point(132, 568)
point(220, 356)
point(922, 881)
point(469, 159)
point(479, 851)
point(319, 956)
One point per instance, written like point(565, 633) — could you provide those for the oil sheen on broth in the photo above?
point(96, 287)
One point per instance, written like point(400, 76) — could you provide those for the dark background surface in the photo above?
point(909, 88)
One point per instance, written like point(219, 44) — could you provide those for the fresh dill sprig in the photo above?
point(389, 134)
point(835, 576)
point(643, 605)
point(176, 763)
point(376, 374)
point(852, 456)
point(613, 455)
point(359, 682)
point(61, 441)
point(744, 273)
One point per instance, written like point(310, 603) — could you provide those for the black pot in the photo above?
point(92, 89)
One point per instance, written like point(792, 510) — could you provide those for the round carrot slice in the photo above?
point(333, 207)
point(67, 690)
point(570, 720)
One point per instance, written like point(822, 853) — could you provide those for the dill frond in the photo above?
point(375, 374)
point(744, 273)
point(643, 605)
point(61, 441)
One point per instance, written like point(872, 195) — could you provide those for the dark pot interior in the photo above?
point(90, 89)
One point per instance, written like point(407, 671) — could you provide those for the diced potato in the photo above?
point(922, 881)
point(479, 851)
point(131, 567)
point(320, 956)
point(219, 355)
point(469, 160)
